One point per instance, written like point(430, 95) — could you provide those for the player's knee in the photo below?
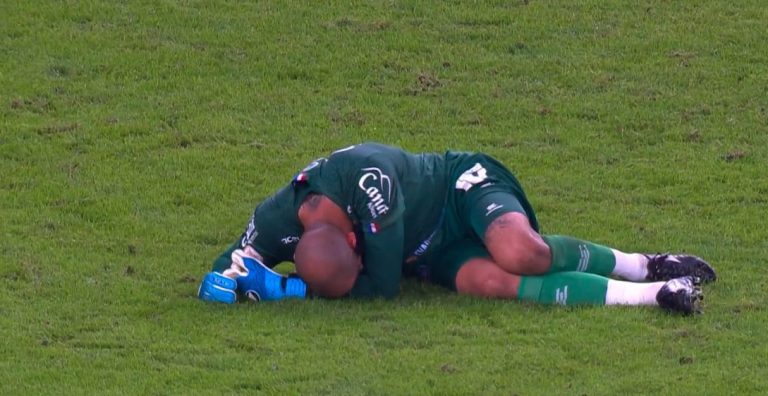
point(525, 262)
point(492, 287)
point(527, 256)
point(483, 278)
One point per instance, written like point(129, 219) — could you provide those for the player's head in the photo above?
point(326, 261)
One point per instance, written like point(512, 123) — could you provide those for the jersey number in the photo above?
point(477, 174)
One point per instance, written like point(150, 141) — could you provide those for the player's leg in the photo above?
point(474, 272)
point(568, 252)
point(516, 246)
point(496, 208)
point(482, 277)
point(467, 267)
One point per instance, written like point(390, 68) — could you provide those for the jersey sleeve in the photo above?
point(224, 260)
point(260, 234)
point(382, 267)
point(379, 207)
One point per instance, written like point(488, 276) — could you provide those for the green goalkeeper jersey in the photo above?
point(401, 201)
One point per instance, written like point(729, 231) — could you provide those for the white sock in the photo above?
point(630, 293)
point(630, 266)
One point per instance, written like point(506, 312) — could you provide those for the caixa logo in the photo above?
point(378, 187)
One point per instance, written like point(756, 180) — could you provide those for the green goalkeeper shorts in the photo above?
point(480, 210)
point(484, 190)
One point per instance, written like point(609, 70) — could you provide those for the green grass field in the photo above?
point(136, 138)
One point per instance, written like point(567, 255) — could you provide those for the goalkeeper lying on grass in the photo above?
point(460, 220)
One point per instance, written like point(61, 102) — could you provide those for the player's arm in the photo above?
point(380, 208)
point(383, 263)
point(224, 261)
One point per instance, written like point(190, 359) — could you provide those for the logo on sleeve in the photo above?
point(372, 228)
point(378, 187)
point(302, 176)
point(492, 208)
point(250, 233)
point(289, 239)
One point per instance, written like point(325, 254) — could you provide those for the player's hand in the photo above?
point(237, 267)
point(254, 279)
point(218, 288)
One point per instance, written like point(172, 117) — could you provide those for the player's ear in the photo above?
point(351, 240)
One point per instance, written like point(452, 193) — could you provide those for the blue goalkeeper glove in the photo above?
point(217, 288)
point(260, 283)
